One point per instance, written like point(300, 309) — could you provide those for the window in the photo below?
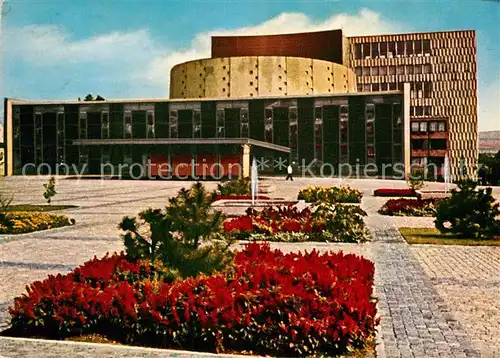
point(173, 121)
point(360, 87)
point(400, 48)
point(358, 71)
point(128, 124)
point(427, 110)
point(244, 122)
point(375, 87)
point(370, 112)
point(366, 71)
point(366, 51)
point(401, 70)
point(367, 87)
point(196, 124)
point(400, 86)
point(374, 49)
point(409, 48)
point(220, 119)
point(418, 90)
point(426, 45)
point(418, 47)
point(414, 126)
point(369, 128)
point(382, 70)
point(419, 111)
point(433, 127)
point(427, 89)
point(409, 69)
point(383, 49)
point(392, 86)
point(383, 86)
point(374, 71)
point(391, 49)
point(104, 125)
point(357, 51)
point(427, 68)
point(268, 124)
point(370, 151)
point(392, 70)
point(441, 126)
point(418, 69)
point(423, 126)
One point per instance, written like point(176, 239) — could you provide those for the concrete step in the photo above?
point(266, 188)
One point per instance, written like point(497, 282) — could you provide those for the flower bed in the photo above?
point(23, 222)
point(394, 192)
point(240, 197)
point(323, 223)
point(268, 303)
point(334, 194)
point(409, 207)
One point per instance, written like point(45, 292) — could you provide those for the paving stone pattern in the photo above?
point(434, 301)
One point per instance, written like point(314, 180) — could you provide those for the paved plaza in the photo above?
point(435, 301)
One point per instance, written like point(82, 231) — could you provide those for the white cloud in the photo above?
point(366, 22)
point(45, 45)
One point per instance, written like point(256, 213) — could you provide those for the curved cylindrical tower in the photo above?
point(257, 76)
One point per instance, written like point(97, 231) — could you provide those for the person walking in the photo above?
point(289, 170)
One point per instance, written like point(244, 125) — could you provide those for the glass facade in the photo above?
point(334, 130)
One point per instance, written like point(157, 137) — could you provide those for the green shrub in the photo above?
point(334, 194)
point(469, 212)
point(344, 222)
point(50, 190)
point(240, 186)
point(185, 236)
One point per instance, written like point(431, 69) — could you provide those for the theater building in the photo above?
point(319, 98)
point(206, 137)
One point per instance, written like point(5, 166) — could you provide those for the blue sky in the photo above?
point(119, 49)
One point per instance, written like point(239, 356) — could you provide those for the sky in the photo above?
point(64, 49)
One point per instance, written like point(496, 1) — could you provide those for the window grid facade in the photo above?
point(441, 69)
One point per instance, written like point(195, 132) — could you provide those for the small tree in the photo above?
point(186, 236)
point(417, 176)
point(469, 212)
point(50, 189)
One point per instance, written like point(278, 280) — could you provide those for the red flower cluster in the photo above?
point(411, 207)
point(269, 303)
point(271, 220)
point(240, 197)
point(394, 192)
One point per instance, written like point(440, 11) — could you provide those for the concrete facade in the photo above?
point(442, 72)
point(257, 76)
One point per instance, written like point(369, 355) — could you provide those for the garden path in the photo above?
point(435, 301)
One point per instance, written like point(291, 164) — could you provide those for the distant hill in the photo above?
point(489, 142)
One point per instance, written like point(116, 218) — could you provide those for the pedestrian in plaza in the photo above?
point(289, 170)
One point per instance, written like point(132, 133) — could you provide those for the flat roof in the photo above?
point(16, 101)
point(411, 33)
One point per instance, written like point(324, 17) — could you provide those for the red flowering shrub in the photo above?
point(269, 303)
point(271, 220)
point(409, 207)
point(394, 192)
point(341, 223)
